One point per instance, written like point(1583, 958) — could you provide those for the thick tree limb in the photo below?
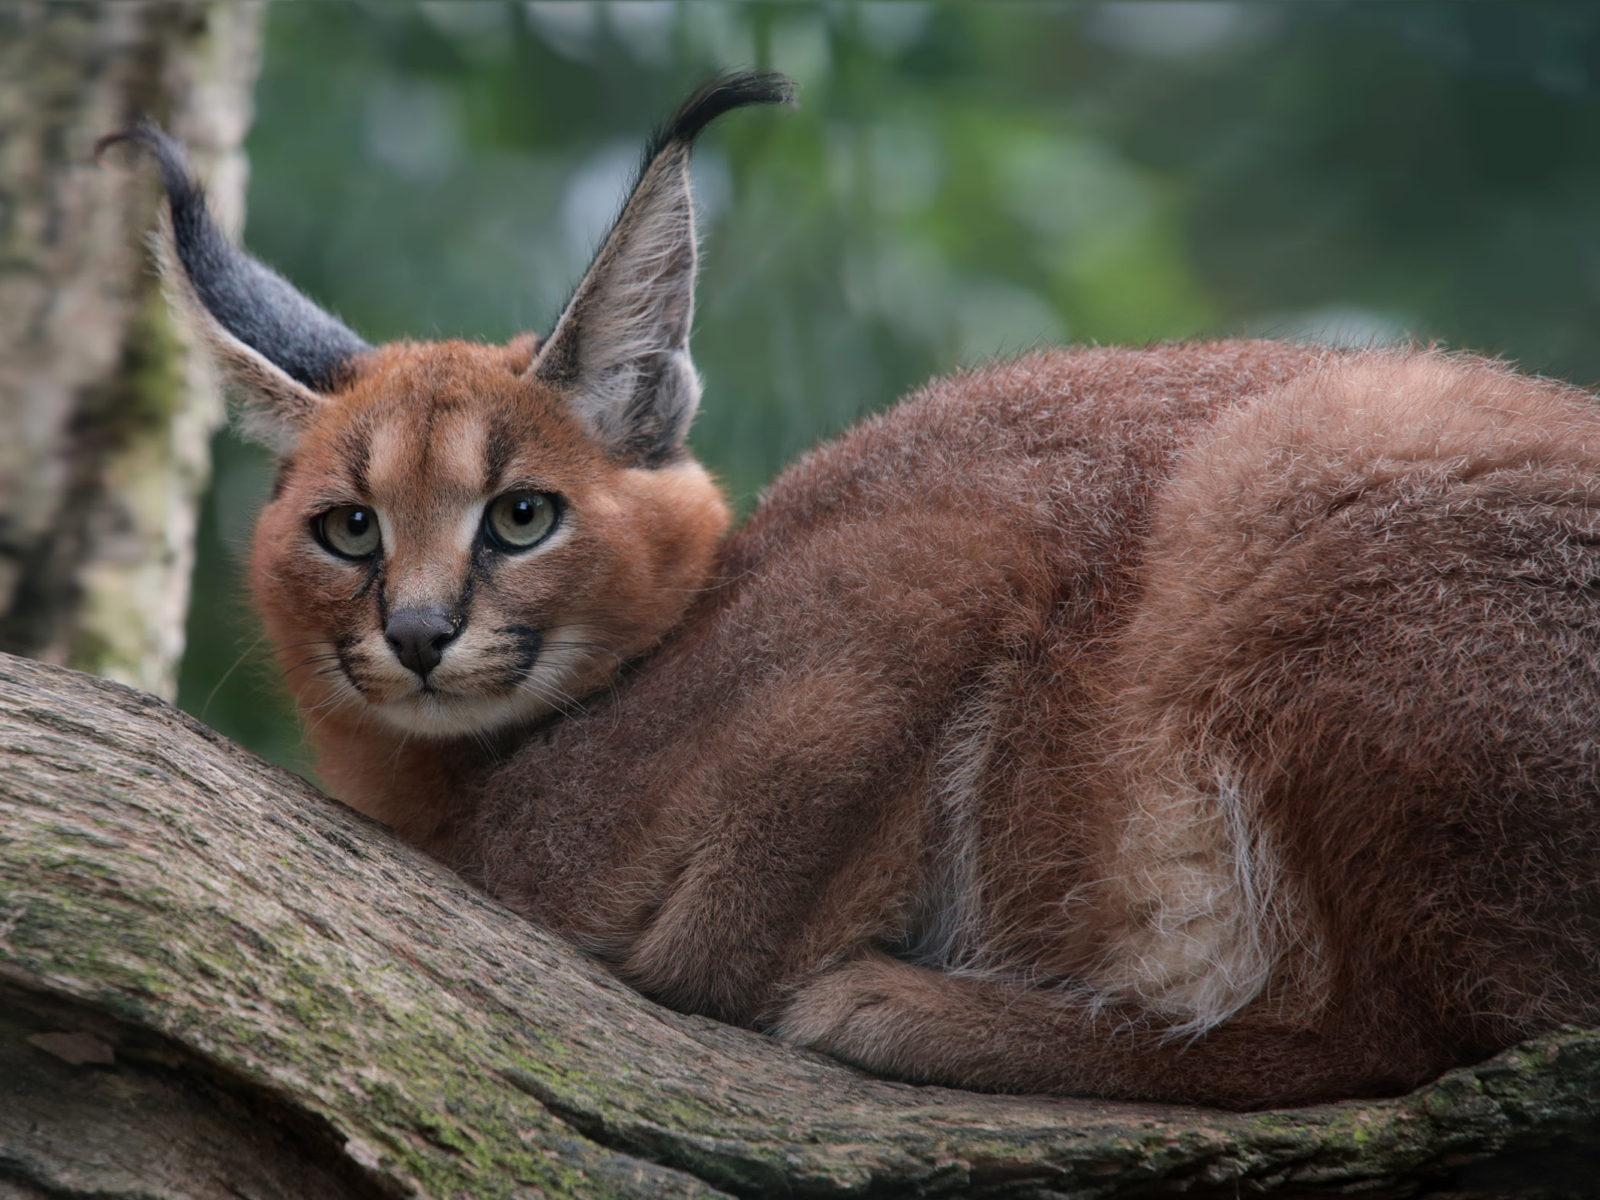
point(215, 982)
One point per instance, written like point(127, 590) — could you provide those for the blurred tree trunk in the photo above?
point(105, 415)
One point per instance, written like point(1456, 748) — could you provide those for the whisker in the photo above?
point(228, 674)
point(394, 760)
point(330, 657)
point(592, 646)
point(555, 696)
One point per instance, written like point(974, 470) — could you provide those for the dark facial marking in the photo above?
point(381, 599)
point(280, 478)
point(356, 449)
point(342, 649)
point(526, 642)
point(463, 608)
point(430, 415)
point(374, 574)
point(484, 559)
point(497, 451)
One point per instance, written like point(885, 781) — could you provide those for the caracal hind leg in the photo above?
point(927, 1026)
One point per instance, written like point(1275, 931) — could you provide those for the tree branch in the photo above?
point(216, 982)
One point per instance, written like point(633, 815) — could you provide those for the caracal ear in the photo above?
point(282, 353)
point(620, 350)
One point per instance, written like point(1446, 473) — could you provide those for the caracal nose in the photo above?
point(419, 636)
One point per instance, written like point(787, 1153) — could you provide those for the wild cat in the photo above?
point(1210, 722)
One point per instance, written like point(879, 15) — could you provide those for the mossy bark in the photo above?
point(216, 982)
point(107, 415)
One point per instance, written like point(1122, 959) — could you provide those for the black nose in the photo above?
point(419, 636)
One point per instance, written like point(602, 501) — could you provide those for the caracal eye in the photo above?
point(350, 531)
point(518, 520)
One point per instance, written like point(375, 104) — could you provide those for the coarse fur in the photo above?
point(1209, 722)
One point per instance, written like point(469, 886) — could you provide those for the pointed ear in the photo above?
point(282, 352)
point(620, 350)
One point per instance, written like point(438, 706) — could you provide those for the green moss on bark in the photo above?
point(292, 954)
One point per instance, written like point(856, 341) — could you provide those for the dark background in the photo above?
point(960, 182)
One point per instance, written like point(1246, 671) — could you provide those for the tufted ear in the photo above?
point(620, 349)
point(282, 352)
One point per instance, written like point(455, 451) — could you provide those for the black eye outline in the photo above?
point(494, 541)
point(319, 530)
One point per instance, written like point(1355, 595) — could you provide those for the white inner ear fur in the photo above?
point(274, 408)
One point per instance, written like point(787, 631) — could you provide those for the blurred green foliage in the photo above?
point(961, 181)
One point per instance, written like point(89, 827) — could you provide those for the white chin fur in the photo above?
point(452, 716)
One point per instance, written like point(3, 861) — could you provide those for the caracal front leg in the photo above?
point(803, 833)
point(803, 848)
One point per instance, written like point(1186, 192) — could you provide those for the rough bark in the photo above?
point(107, 415)
point(216, 982)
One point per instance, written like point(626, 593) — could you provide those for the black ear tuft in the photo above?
point(715, 97)
point(250, 301)
point(620, 349)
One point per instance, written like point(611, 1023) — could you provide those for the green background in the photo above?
point(961, 182)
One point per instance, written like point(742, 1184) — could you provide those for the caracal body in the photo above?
point(1210, 722)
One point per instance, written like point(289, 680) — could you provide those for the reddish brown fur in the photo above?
point(1240, 689)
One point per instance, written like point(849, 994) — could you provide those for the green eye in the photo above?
point(518, 520)
point(350, 531)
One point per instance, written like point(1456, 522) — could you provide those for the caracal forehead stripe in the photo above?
point(429, 488)
point(390, 455)
point(433, 462)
